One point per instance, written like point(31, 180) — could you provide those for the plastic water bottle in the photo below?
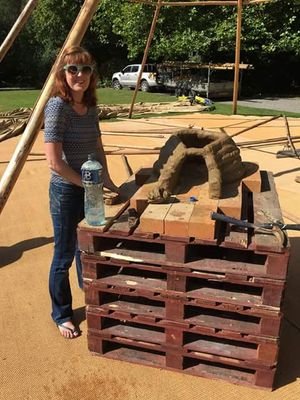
point(91, 172)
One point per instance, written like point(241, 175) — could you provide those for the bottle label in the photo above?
point(90, 176)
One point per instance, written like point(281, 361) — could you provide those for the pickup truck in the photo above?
point(129, 75)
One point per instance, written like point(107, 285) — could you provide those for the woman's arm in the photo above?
point(56, 163)
point(108, 183)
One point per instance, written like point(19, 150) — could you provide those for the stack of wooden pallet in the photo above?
point(165, 295)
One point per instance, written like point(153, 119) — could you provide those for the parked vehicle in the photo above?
point(189, 79)
point(129, 75)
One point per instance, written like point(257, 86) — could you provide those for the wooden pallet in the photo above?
point(258, 350)
point(200, 256)
point(183, 221)
point(235, 324)
point(191, 362)
point(181, 292)
point(261, 293)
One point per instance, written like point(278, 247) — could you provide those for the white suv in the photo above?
point(129, 75)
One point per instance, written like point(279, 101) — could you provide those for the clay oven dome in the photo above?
point(218, 150)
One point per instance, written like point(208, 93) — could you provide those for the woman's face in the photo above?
point(78, 77)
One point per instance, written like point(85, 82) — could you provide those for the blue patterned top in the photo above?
point(78, 134)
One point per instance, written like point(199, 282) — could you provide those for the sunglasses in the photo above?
point(74, 69)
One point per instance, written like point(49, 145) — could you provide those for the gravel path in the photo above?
point(291, 104)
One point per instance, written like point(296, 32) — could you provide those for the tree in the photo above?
point(14, 66)
point(119, 30)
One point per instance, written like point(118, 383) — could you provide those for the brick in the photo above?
point(232, 206)
point(177, 220)
point(153, 218)
point(201, 226)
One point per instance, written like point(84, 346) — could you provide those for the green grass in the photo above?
point(124, 96)
point(13, 99)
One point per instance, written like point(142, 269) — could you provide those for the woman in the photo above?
point(71, 133)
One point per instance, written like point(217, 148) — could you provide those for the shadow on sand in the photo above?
point(12, 253)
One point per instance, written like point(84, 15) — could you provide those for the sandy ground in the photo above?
point(37, 364)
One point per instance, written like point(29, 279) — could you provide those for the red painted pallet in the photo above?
point(192, 254)
point(259, 208)
point(180, 338)
point(264, 291)
point(204, 318)
point(208, 307)
point(193, 363)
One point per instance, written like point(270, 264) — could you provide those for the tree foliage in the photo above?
point(119, 31)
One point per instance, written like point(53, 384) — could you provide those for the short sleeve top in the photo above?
point(79, 134)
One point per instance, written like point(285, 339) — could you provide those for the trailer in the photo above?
point(190, 78)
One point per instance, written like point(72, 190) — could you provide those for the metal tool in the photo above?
point(245, 224)
point(276, 228)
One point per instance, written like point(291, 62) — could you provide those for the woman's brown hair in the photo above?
point(75, 55)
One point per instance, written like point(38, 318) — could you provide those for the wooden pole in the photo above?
point(150, 37)
point(289, 138)
point(28, 137)
point(18, 25)
point(127, 165)
point(237, 56)
point(255, 125)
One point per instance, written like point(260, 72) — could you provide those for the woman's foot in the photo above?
point(68, 330)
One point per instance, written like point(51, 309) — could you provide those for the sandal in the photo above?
point(74, 332)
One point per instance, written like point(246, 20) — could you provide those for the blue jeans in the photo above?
point(67, 210)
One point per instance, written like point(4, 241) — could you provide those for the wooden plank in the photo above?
point(266, 209)
point(133, 256)
point(177, 220)
point(137, 334)
point(266, 205)
point(237, 237)
point(213, 367)
point(136, 356)
point(131, 282)
point(231, 296)
point(230, 350)
point(153, 218)
point(121, 226)
point(112, 212)
point(131, 308)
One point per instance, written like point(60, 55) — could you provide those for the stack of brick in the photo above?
point(209, 306)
